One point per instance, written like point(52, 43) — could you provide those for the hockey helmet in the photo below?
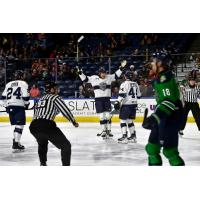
point(18, 75)
point(164, 57)
point(102, 70)
point(128, 75)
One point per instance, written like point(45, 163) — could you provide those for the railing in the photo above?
point(62, 70)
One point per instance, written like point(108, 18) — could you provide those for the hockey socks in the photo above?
point(172, 155)
point(153, 151)
point(18, 132)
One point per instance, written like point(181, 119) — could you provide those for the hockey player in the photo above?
point(102, 90)
point(166, 120)
point(16, 98)
point(128, 94)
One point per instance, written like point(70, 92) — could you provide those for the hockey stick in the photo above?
point(112, 112)
point(77, 60)
point(145, 115)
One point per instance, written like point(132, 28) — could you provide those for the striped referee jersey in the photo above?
point(51, 105)
point(190, 94)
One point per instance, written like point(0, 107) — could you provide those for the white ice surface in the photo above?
point(90, 150)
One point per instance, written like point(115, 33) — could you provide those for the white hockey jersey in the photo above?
point(102, 87)
point(129, 93)
point(16, 93)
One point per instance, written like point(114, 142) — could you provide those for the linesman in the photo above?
point(44, 129)
point(190, 92)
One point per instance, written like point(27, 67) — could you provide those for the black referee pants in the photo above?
point(194, 107)
point(46, 130)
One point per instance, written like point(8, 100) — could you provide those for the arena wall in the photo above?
point(84, 110)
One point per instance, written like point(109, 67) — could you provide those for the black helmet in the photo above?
point(165, 58)
point(18, 75)
point(102, 70)
point(50, 85)
point(129, 75)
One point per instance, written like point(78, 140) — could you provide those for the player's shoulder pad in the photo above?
point(9, 83)
point(23, 83)
point(135, 83)
point(94, 77)
point(123, 84)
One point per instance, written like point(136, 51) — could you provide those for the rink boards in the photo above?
point(84, 110)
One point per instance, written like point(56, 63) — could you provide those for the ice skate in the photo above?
point(102, 134)
point(109, 134)
point(105, 135)
point(17, 147)
point(123, 139)
point(132, 138)
point(43, 164)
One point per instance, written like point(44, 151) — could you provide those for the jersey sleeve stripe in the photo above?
point(122, 95)
point(26, 98)
point(170, 103)
point(167, 105)
point(63, 109)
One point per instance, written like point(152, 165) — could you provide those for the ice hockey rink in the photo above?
point(90, 150)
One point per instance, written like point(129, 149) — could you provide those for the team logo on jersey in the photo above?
point(102, 86)
point(162, 79)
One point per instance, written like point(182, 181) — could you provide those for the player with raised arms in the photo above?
point(102, 90)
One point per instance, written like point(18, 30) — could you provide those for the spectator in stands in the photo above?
point(2, 75)
point(87, 91)
point(135, 52)
point(24, 50)
point(146, 40)
point(146, 88)
point(34, 76)
point(194, 72)
point(45, 75)
point(143, 73)
point(34, 91)
point(81, 93)
point(133, 70)
point(35, 65)
point(27, 76)
point(197, 61)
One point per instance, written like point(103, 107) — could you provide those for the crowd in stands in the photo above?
point(45, 57)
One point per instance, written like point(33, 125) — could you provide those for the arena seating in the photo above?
point(176, 43)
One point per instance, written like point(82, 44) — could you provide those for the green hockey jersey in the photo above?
point(166, 91)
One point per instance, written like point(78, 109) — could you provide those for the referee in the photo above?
point(44, 129)
point(190, 93)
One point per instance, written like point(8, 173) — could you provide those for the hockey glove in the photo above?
point(123, 64)
point(75, 124)
point(154, 119)
point(117, 105)
point(7, 109)
point(78, 70)
point(151, 122)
